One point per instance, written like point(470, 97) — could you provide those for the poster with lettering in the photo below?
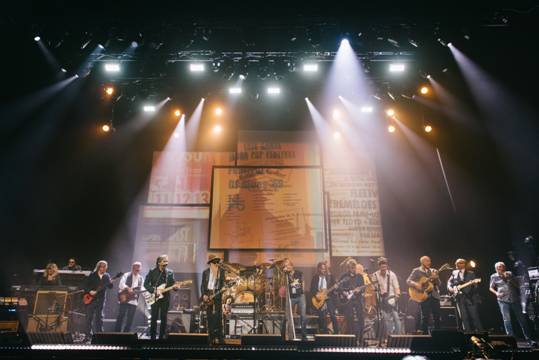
point(270, 148)
point(182, 178)
point(354, 208)
point(177, 231)
point(267, 208)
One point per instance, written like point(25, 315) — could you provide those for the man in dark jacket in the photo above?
point(96, 284)
point(213, 281)
point(467, 298)
point(350, 284)
point(322, 282)
point(158, 276)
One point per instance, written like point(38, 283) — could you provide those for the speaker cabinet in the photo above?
point(178, 322)
point(414, 342)
point(188, 339)
point(49, 338)
point(261, 339)
point(335, 340)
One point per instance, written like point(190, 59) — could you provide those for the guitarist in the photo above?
point(350, 281)
point(96, 284)
point(467, 298)
point(389, 290)
point(213, 281)
point(158, 276)
point(432, 304)
point(129, 283)
point(322, 281)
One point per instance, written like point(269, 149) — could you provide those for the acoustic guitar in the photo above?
point(426, 285)
point(88, 298)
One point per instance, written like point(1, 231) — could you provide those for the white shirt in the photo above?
point(322, 282)
point(382, 282)
point(211, 281)
point(137, 281)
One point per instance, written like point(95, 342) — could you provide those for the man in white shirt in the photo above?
point(130, 286)
point(388, 285)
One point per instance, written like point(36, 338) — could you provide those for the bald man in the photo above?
point(432, 304)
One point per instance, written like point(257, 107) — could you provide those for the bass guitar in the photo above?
point(127, 295)
point(426, 285)
point(161, 290)
point(88, 298)
point(458, 288)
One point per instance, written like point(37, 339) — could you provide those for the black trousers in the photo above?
point(352, 311)
point(469, 315)
point(329, 307)
point(431, 306)
point(159, 309)
point(94, 316)
point(214, 314)
point(126, 311)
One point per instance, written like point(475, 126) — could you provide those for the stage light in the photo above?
point(390, 112)
point(242, 77)
point(428, 128)
point(196, 67)
point(473, 264)
point(310, 67)
point(149, 108)
point(336, 135)
point(366, 109)
point(234, 90)
point(218, 111)
point(345, 42)
point(176, 135)
point(109, 90)
point(217, 129)
point(449, 44)
point(112, 67)
point(63, 70)
point(273, 90)
point(105, 128)
point(397, 67)
point(424, 90)
point(37, 38)
point(429, 77)
point(177, 112)
point(391, 128)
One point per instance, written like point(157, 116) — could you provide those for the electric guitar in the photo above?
point(88, 298)
point(346, 296)
point(456, 289)
point(389, 303)
point(426, 285)
point(127, 295)
point(205, 304)
point(322, 295)
point(161, 290)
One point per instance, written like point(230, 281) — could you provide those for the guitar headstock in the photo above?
point(445, 266)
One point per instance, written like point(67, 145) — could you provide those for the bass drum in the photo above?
point(244, 297)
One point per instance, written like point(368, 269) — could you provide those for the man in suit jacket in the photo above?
point(432, 304)
point(213, 281)
point(323, 280)
point(158, 276)
point(466, 299)
point(96, 284)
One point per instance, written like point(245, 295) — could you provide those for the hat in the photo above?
point(213, 258)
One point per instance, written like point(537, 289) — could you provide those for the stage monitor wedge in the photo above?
point(188, 339)
point(261, 339)
point(335, 340)
point(114, 338)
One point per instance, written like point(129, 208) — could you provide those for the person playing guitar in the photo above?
point(211, 287)
point(353, 308)
point(131, 284)
point(462, 284)
point(431, 304)
point(157, 276)
point(322, 286)
point(95, 287)
point(389, 289)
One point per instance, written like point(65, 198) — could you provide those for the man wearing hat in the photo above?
point(467, 298)
point(213, 280)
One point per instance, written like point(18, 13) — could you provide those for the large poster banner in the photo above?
point(184, 177)
point(267, 208)
point(177, 231)
point(270, 148)
point(356, 228)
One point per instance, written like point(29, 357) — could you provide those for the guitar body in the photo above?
point(421, 295)
point(320, 299)
point(126, 295)
point(158, 295)
point(87, 299)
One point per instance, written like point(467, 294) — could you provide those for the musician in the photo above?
point(96, 285)
point(72, 265)
point(467, 298)
point(432, 304)
point(389, 291)
point(50, 277)
point(353, 308)
point(296, 291)
point(504, 286)
point(213, 281)
point(131, 284)
point(322, 281)
point(158, 276)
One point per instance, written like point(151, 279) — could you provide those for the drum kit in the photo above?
point(258, 284)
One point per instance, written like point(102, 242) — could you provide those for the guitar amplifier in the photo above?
point(178, 322)
point(50, 302)
point(242, 309)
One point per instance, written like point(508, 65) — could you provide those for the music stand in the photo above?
point(49, 309)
